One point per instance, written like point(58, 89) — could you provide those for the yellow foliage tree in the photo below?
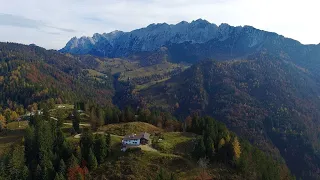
point(222, 142)
point(14, 115)
point(236, 148)
point(20, 110)
point(3, 123)
point(7, 114)
point(228, 138)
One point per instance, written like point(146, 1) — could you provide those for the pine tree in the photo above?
point(100, 117)
point(209, 145)
point(161, 175)
point(200, 149)
point(16, 162)
point(76, 122)
point(45, 173)
point(79, 176)
point(72, 162)
point(25, 172)
point(46, 114)
point(100, 148)
point(115, 117)
point(29, 145)
point(108, 116)
point(62, 167)
point(60, 118)
point(173, 177)
point(92, 161)
point(59, 176)
point(86, 143)
point(38, 173)
point(108, 142)
point(93, 118)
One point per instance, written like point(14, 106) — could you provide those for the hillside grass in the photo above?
point(144, 165)
point(128, 128)
point(17, 125)
point(158, 69)
point(14, 134)
point(175, 142)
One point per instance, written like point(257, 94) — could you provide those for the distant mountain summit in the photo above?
point(152, 37)
point(194, 41)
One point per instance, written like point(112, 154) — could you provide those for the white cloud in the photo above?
point(56, 20)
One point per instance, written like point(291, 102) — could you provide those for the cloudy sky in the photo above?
point(51, 23)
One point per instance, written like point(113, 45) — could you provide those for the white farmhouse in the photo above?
point(134, 140)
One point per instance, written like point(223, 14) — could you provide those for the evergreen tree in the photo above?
point(93, 118)
point(92, 161)
point(16, 163)
point(100, 148)
point(38, 173)
point(29, 145)
point(72, 162)
point(200, 149)
point(115, 117)
point(60, 118)
point(161, 175)
point(62, 167)
point(79, 176)
point(108, 116)
point(209, 145)
point(173, 177)
point(108, 142)
point(128, 114)
point(46, 114)
point(45, 173)
point(76, 121)
point(86, 143)
point(59, 176)
point(100, 117)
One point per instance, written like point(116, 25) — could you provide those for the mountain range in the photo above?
point(191, 42)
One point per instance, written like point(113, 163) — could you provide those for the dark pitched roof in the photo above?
point(144, 135)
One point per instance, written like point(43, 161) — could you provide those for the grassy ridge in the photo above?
point(127, 128)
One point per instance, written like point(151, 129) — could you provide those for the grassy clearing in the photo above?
point(119, 65)
point(10, 137)
point(145, 165)
point(131, 127)
point(17, 125)
point(175, 142)
point(144, 86)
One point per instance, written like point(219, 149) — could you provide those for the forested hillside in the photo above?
point(30, 74)
point(201, 148)
point(270, 101)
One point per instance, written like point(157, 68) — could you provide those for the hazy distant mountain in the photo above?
point(191, 42)
point(152, 37)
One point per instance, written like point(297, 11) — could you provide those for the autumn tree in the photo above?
point(236, 148)
point(3, 122)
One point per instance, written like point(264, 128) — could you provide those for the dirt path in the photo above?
point(147, 148)
point(85, 125)
point(77, 136)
